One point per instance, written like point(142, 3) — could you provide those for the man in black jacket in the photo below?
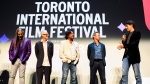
point(44, 54)
point(130, 43)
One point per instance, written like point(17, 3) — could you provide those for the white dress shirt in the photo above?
point(45, 60)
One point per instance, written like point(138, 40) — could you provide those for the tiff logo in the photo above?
point(4, 39)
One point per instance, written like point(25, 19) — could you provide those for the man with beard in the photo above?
point(19, 53)
point(69, 54)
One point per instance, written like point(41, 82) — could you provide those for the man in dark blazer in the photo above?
point(44, 54)
point(130, 43)
point(96, 54)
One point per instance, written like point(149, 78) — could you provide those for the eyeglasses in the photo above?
point(45, 34)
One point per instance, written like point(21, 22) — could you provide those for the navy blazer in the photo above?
point(39, 52)
point(133, 47)
point(91, 53)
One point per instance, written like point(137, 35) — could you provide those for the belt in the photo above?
point(98, 59)
point(72, 60)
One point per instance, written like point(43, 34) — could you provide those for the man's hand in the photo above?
point(120, 46)
point(66, 61)
point(123, 37)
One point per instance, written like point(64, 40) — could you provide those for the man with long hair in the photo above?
point(19, 53)
point(44, 52)
point(69, 54)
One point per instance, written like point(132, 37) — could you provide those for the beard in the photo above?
point(20, 37)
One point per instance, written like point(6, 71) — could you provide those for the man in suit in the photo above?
point(96, 54)
point(19, 53)
point(44, 54)
point(69, 54)
point(130, 43)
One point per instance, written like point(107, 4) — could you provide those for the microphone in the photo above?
point(124, 35)
point(124, 32)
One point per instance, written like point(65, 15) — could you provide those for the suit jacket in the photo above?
point(39, 52)
point(133, 47)
point(24, 52)
point(91, 53)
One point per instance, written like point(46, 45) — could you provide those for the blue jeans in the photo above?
point(125, 69)
point(65, 70)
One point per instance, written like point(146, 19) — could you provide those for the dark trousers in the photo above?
point(98, 65)
point(46, 70)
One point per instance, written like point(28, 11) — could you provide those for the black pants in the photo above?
point(46, 70)
point(98, 65)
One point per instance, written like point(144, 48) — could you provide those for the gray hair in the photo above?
point(43, 31)
point(94, 34)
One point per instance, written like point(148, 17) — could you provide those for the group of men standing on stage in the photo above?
point(20, 50)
